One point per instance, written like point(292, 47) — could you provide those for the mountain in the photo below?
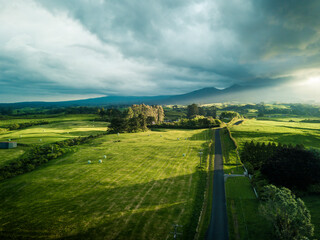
point(234, 93)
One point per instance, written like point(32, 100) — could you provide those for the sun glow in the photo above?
point(313, 81)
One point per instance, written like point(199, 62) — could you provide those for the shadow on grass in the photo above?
point(98, 210)
point(85, 207)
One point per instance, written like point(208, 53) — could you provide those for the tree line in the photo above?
point(193, 110)
point(15, 126)
point(194, 123)
point(290, 166)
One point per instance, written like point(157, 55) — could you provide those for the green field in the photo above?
point(280, 131)
point(51, 118)
point(231, 161)
point(144, 185)
point(244, 219)
point(284, 131)
point(54, 132)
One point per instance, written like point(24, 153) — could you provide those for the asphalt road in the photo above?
point(218, 228)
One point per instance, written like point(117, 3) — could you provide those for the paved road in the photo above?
point(218, 228)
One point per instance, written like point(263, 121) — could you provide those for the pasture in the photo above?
point(146, 183)
point(53, 132)
point(284, 131)
point(244, 219)
point(278, 131)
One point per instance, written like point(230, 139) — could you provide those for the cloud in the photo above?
point(132, 47)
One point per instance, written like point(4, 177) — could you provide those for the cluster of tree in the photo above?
point(41, 154)
point(195, 123)
point(229, 115)
point(6, 110)
point(289, 166)
point(73, 110)
point(194, 110)
point(290, 218)
point(49, 110)
point(263, 109)
point(134, 119)
point(15, 126)
point(133, 124)
point(152, 113)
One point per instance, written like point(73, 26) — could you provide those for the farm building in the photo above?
point(7, 145)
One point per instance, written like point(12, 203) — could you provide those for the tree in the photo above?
point(129, 113)
point(119, 124)
point(202, 112)
point(150, 120)
point(291, 167)
point(101, 112)
point(211, 111)
point(229, 115)
point(193, 110)
point(288, 215)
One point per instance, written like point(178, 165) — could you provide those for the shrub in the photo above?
point(289, 216)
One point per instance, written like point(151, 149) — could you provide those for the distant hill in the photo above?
point(235, 93)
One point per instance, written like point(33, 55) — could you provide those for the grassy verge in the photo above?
point(313, 204)
point(207, 205)
point(244, 219)
point(231, 161)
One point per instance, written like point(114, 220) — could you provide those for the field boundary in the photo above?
point(204, 218)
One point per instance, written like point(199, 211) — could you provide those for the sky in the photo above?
point(52, 50)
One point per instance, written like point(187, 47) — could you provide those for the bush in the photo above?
point(289, 216)
point(198, 122)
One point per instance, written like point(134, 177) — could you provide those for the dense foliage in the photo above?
point(193, 110)
point(134, 119)
point(281, 164)
point(289, 216)
point(39, 155)
point(133, 124)
point(15, 126)
point(195, 123)
point(229, 115)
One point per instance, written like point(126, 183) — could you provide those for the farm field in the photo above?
point(51, 118)
point(279, 131)
point(285, 132)
point(244, 219)
point(144, 185)
point(53, 132)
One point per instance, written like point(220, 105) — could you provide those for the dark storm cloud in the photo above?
point(134, 47)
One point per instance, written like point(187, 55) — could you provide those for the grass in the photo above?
point(313, 204)
point(282, 131)
point(7, 155)
point(231, 161)
point(143, 187)
point(207, 208)
point(49, 118)
point(244, 219)
point(56, 131)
